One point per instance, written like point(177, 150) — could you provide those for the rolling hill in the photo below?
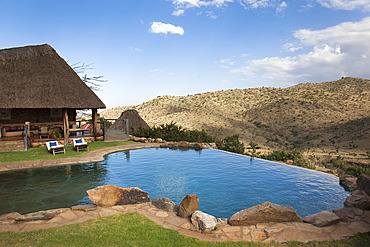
point(329, 118)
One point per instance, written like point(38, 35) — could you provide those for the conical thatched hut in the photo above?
point(39, 87)
point(134, 120)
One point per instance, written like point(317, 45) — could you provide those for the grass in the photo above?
point(134, 230)
point(41, 153)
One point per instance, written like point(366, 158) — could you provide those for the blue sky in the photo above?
point(147, 48)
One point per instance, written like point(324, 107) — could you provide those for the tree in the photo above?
point(93, 82)
point(254, 147)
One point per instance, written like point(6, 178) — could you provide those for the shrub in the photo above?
point(173, 132)
point(231, 144)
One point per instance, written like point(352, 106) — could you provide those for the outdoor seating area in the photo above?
point(55, 148)
point(80, 144)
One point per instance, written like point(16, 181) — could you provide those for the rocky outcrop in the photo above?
point(352, 214)
point(265, 212)
point(203, 222)
point(324, 218)
point(358, 200)
point(41, 215)
point(110, 195)
point(165, 204)
point(363, 183)
point(348, 181)
point(189, 205)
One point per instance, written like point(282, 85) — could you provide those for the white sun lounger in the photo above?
point(55, 148)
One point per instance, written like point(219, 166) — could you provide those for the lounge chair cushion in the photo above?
point(79, 141)
point(53, 144)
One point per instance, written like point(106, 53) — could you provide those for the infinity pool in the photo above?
point(225, 183)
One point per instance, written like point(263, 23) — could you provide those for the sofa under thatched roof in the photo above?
point(37, 77)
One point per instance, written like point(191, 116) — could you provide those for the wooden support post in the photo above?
point(26, 135)
point(94, 121)
point(104, 128)
point(65, 126)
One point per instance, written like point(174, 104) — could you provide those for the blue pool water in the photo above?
point(225, 183)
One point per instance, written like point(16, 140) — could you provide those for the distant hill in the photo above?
point(321, 117)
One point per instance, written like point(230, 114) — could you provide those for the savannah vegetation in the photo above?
point(321, 120)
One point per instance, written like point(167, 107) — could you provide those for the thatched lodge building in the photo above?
point(39, 87)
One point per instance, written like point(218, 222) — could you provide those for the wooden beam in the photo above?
point(65, 126)
point(94, 121)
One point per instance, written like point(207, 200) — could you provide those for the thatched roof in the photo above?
point(134, 120)
point(37, 77)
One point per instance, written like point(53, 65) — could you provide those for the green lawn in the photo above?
point(134, 230)
point(41, 153)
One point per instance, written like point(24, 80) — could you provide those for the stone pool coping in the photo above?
point(93, 156)
point(263, 232)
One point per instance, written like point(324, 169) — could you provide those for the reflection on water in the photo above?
point(46, 188)
point(225, 183)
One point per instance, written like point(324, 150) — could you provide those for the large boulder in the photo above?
point(189, 205)
point(165, 204)
point(203, 222)
point(348, 182)
point(324, 218)
point(359, 200)
point(264, 213)
point(363, 183)
point(110, 195)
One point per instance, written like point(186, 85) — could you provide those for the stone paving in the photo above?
point(267, 232)
point(93, 156)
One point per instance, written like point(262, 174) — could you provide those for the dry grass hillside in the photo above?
point(330, 118)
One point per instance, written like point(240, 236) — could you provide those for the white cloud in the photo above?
point(165, 28)
point(135, 49)
point(155, 70)
point(346, 4)
point(341, 50)
point(227, 61)
point(178, 12)
point(290, 47)
point(279, 5)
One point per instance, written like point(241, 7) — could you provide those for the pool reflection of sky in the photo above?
point(225, 183)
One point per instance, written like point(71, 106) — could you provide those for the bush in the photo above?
point(284, 156)
point(231, 144)
point(173, 132)
point(352, 169)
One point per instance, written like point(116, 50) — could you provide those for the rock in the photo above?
point(358, 201)
point(158, 140)
point(363, 183)
point(164, 145)
point(165, 204)
point(348, 181)
point(41, 215)
point(345, 213)
point(264, 213)
point(85, 208)
point(290, 162)
point(10, 216)
point(110, 195)
point(222, 221)
point(324, 218)
point(204, 222)
point(212, 145)
point(189, 205)
point(183, 144)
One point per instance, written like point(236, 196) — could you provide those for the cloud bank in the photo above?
point(165, 28)
point(341, 50)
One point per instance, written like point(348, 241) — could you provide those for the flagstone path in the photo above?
point(279, 232)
